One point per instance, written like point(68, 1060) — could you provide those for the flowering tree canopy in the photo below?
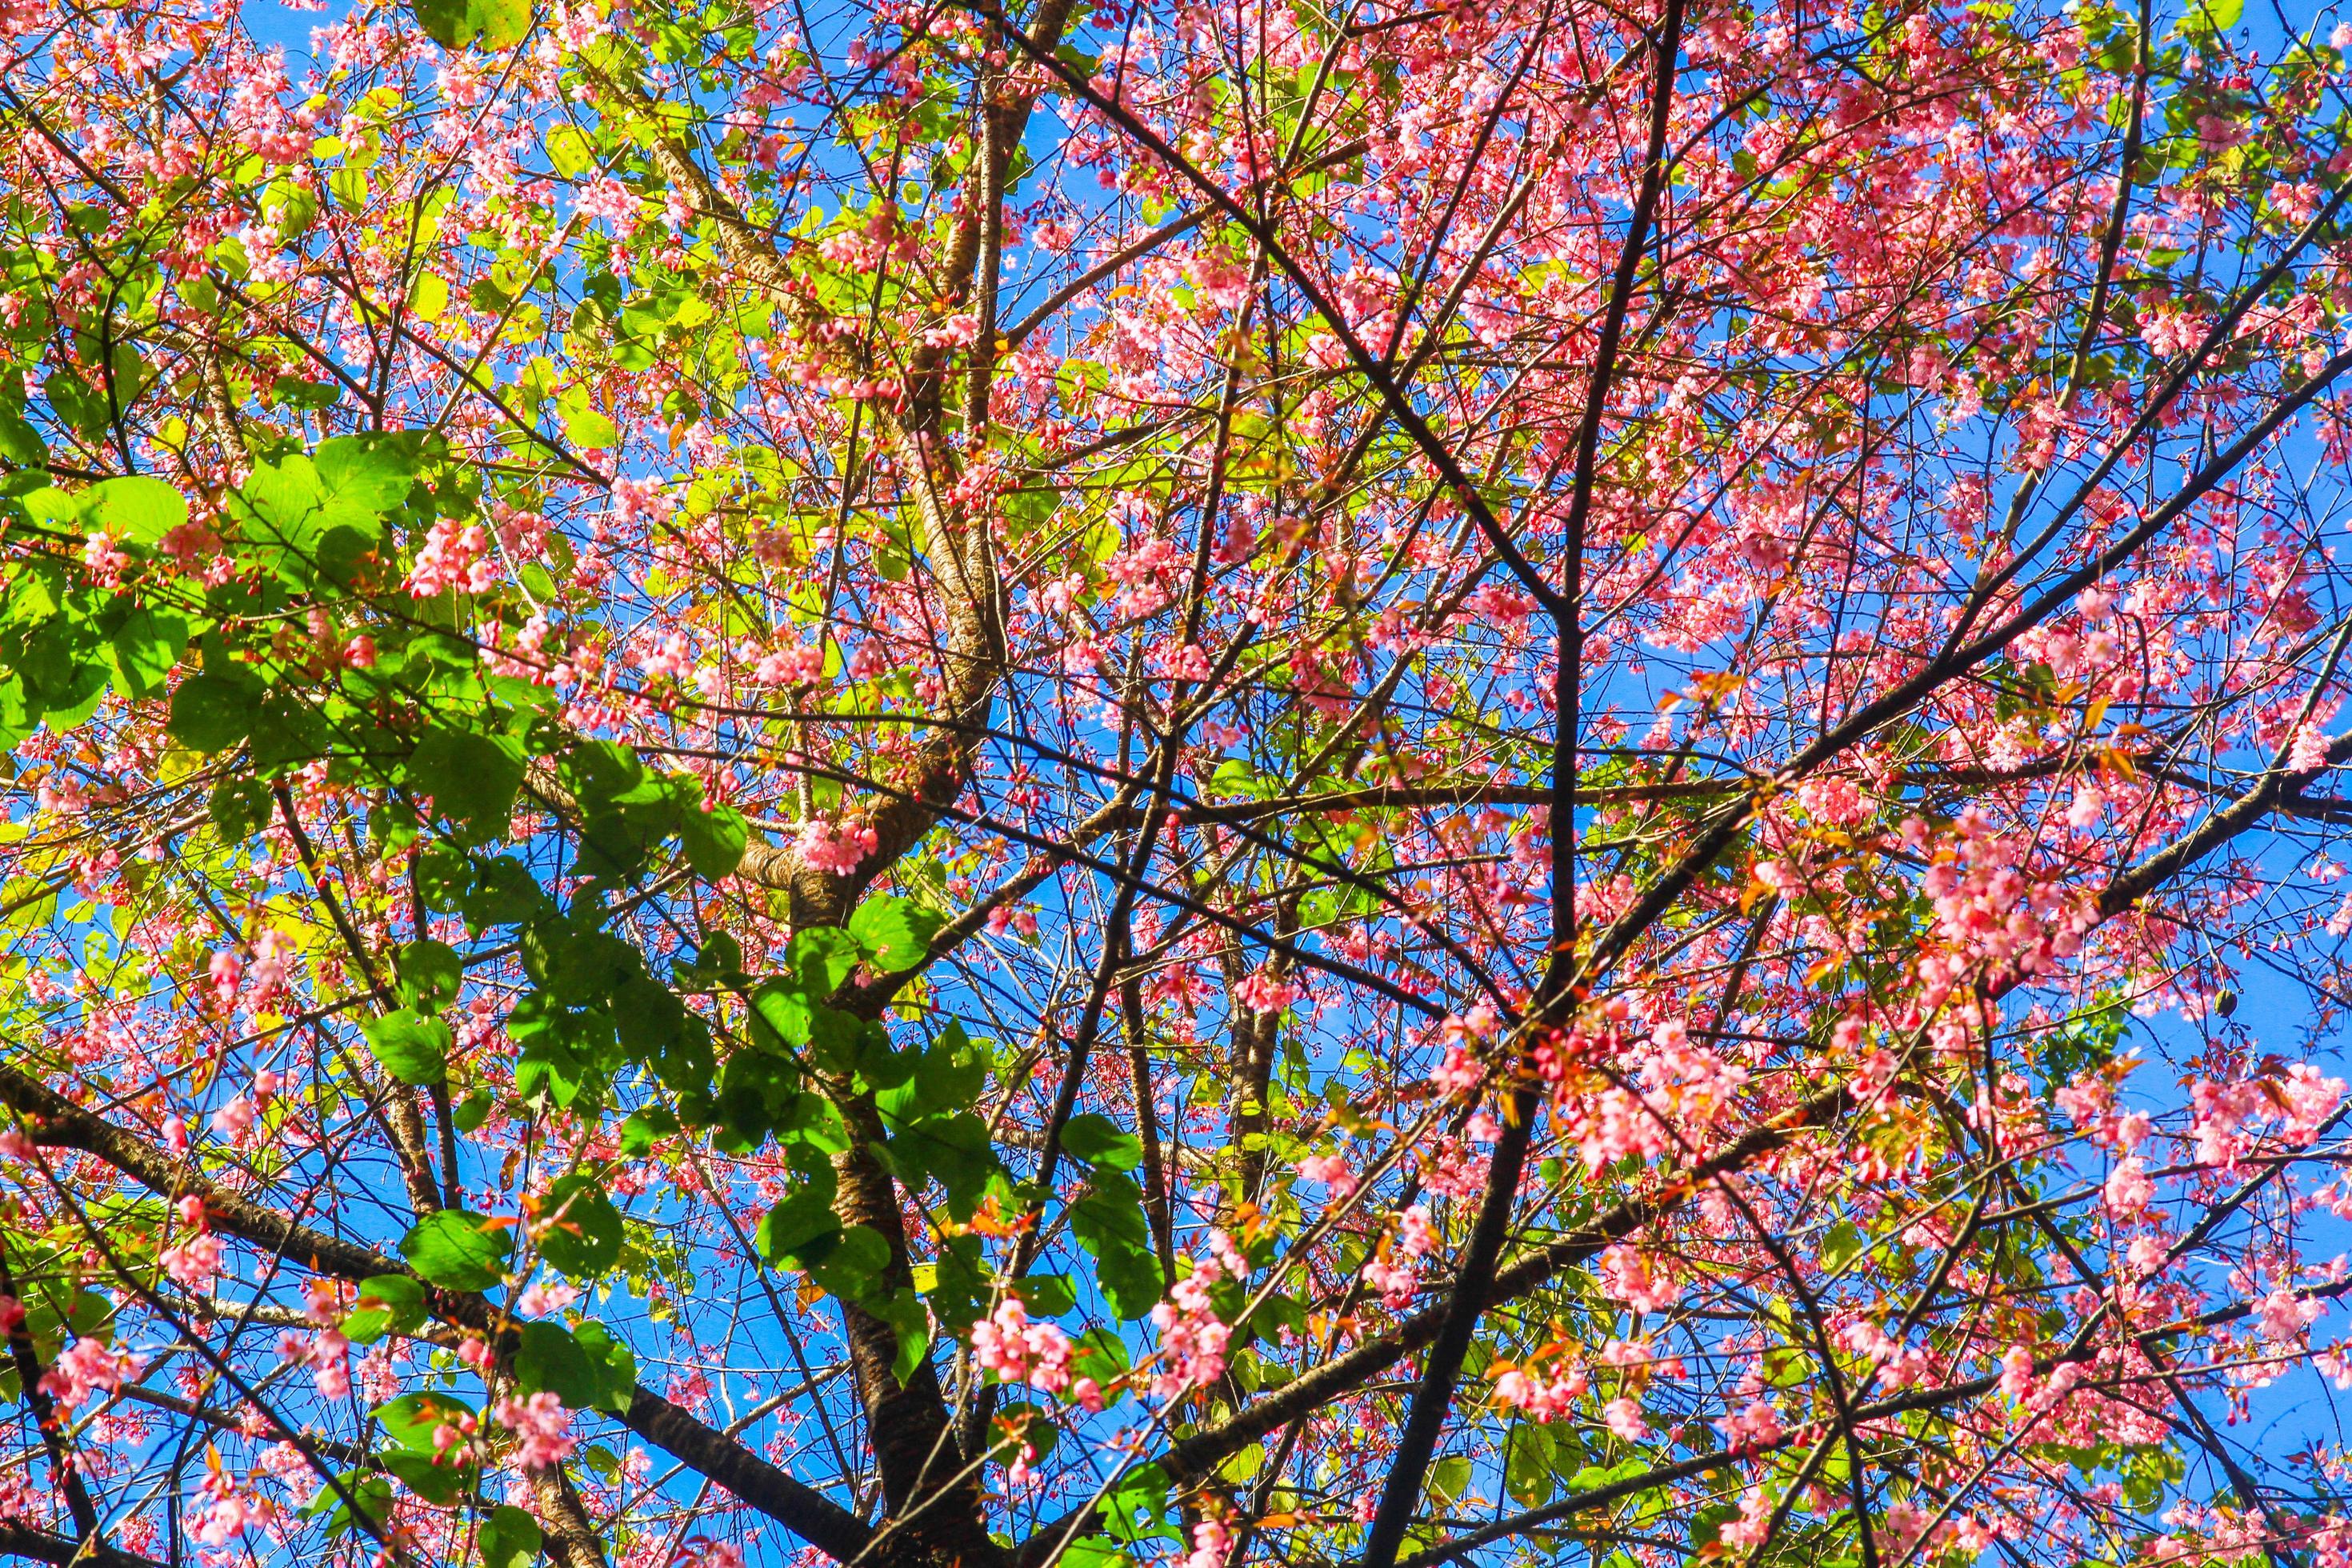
point(974, 783)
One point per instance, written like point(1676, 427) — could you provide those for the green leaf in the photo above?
point(1840, 1247)
point(428, 297)
point(502, 893)
point(78, 404)
point(17, 719)
point(617, 1366)
point(371, 1495)
point(492, 24)
point(1530, 1469)
point(239, 806)
point(644, 1128)
point(885, 1067)
point(1108, 1223)
point(364, 476)
point(20, 443)
point(412, 1048)
point(430, 973)
point(851, 1266)
point(283, 502)
point(288, 730)
point(811, 1127)
point(801, 1222)
point(86, 1314)
point(1045, 1295)
point(586, 426)
point(65, 663)
point(896, 932)
point(146, 647)
point(584, 1367)
point(549, 1067)
point(586, 1240)
point(1100, 1354)
point(135, 508)
point(946, 1077)
point(212, 712)
point(954, 1150)
point(605, 773)
point(411, 1420)
point(388, 1304)
point(822, 958)
point(549, 1360)
point(714, 840)
point(956, 1282)
point(904, 1313)
point(509, 1538)
point(615, 845)
point(471, 777)
point(783, 1014)
point(429, 1475)
point(578, 965)
point(1099, 1141)
point(325, 511)
point(651, 1019)
point(717, 965)
point(568, 152)
point(1136, 1506)
point(458, 1250)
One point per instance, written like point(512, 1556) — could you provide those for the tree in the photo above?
point(914, 785)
